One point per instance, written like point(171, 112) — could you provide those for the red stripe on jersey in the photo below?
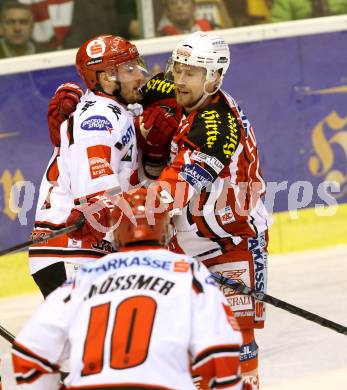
point(220, 364)
point(196, 208)
point(53, 171)
point(134, 178)
point(28, 366)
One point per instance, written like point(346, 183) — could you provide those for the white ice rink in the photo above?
point(295, 354)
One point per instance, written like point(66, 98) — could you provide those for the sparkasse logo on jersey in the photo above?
point(96, 123)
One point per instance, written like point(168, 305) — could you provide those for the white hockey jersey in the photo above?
point(133, 320)
point(98, 152)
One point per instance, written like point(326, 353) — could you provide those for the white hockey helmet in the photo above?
point(205, 50)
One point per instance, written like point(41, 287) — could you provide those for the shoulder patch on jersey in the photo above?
point(96, 123)
point(99, 158)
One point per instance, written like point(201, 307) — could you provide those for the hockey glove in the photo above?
point(159, 124)
point(97, 214)
point(61, 105)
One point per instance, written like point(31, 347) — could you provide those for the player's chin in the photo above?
point(134, 97)
point(182, 99)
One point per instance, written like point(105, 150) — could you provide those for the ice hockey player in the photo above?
point(97, 152)
point(135, 319)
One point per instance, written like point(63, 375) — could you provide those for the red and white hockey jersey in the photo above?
point(134, 320)
point(98, 152)
point(214, 180)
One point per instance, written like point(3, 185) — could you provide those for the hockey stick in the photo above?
point(260, 296)
point(93, 208)
point(46, 237)
point(6, 335)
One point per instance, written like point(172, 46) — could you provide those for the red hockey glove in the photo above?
point(160, 124)
point(97, 214)
point(61, 105)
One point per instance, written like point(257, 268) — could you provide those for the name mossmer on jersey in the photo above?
point(131, 282)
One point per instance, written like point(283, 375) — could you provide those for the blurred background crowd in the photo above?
point(35, 26)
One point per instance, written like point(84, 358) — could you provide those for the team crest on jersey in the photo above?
point(96, 123)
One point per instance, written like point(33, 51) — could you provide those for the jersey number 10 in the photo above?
point(131, 334)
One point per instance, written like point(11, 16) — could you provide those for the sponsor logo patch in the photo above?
point(249, 351)
point(96, 48)
point(181, 266)
point(239, 272)
point(99, 157)
point(226, 215)
point(196, 176)
point(129, 134)
point(211, 161)
point(95, 61)
point(222, 60)
point(256, 246)
point(96, 123)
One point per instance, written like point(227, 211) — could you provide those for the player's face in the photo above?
point(189, 82)
point(131, 77)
